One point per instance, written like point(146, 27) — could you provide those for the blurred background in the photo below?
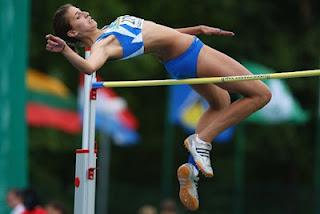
point(269, 163)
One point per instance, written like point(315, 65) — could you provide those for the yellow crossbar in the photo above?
point(141, 83)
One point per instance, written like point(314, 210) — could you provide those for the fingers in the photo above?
point(49, 36)
point(53, 48)
point(49, 47)
point(53, 38)
point(216, 31)
point(53, 43)
point(226, 33)
point(220, 32)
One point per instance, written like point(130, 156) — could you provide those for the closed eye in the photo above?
point(77, 14)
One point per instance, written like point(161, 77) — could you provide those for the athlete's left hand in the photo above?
point(214, 31)
point(55, 44)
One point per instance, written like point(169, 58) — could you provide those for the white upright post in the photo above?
point(85, 175)
point(92, 163)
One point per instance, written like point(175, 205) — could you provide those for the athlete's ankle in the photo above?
point(200, 139)
point(200, 152)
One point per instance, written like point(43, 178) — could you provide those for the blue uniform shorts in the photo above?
point(185, 65)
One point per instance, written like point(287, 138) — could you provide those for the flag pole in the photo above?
point(239, 170)
point(317, 158)
point(103, 174)
point(168, 155)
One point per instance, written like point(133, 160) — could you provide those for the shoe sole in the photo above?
point(189, 201)
point(199, 165)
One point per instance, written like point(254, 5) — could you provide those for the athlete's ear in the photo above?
point(72, 33)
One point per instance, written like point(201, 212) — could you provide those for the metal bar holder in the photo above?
point(85, 172)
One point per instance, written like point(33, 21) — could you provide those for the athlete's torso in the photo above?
point(128, 31)
point(137, 36)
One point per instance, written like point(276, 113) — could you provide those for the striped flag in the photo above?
point(113, 116)
point(51, 104)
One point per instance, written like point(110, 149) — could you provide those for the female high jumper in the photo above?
point(184, 56)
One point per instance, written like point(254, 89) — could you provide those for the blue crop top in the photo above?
point(127, 29)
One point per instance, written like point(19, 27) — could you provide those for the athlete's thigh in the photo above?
point(213, 63)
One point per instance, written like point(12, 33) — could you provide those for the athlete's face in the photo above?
point(80, 21)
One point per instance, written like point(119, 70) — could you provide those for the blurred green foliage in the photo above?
point(283, 35)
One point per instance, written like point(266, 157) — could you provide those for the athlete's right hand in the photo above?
point(207, 30)
point(55, 44)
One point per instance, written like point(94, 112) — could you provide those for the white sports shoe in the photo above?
point(200, 152)
point(188, 178)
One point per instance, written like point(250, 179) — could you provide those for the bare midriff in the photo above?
point(164, 42)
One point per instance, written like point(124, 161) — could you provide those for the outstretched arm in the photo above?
point(203, 29)
point(96, 60)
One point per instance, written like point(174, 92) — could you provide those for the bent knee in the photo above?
point(267, 96)
point(263, 98)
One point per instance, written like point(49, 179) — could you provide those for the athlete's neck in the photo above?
point(90, 39)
